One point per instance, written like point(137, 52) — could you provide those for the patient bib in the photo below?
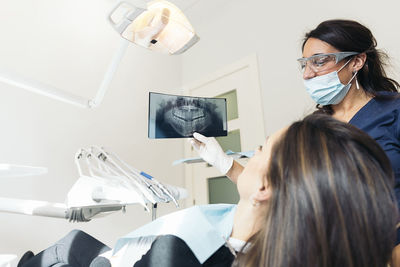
point(203, 228)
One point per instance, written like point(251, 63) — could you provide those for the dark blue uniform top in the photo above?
point(380, 118)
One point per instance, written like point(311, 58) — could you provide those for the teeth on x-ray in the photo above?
point(181, 116)
point(188, 113)
point(187, 119)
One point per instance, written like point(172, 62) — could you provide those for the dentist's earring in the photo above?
point(357, 86)
point(355, 74)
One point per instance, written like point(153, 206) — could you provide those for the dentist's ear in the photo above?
point(359, 61)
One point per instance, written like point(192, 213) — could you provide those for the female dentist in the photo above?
point(344, 74)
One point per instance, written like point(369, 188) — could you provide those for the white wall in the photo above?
point(68, 44)
point(233, 29)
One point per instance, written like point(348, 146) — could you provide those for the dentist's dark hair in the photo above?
point(332, 202)
point(351, 36)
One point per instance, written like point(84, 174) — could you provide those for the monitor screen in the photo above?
point(175, 116)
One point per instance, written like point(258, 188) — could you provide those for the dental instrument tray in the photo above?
point(175, 116)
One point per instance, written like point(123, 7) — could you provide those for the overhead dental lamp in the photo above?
point(161, 27)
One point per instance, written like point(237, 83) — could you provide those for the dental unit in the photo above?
point(105, 184)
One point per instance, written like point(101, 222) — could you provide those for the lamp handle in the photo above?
point(127, 18)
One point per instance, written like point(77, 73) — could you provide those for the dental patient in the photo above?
point(318, 194)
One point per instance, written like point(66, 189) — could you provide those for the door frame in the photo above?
point(249, 62)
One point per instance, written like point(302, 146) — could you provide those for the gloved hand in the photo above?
point(209, 150)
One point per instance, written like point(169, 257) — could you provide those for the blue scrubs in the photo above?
point(380, 118)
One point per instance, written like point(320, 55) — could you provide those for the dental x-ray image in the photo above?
point(173, 116)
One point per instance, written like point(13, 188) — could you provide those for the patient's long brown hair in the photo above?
point(332, 202)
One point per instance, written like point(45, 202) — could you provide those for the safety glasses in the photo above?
point(323, 62)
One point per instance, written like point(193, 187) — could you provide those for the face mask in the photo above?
point(327, 89)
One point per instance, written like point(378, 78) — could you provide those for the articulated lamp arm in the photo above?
point(55, 93)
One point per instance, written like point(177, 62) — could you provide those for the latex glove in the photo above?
point(209, 149)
